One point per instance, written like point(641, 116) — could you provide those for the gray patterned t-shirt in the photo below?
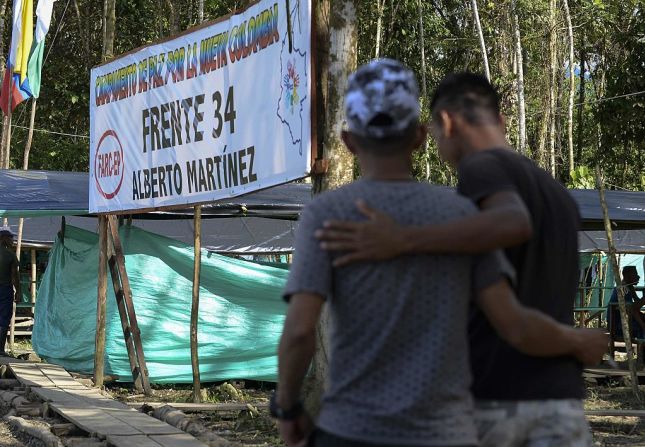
point(399, 370)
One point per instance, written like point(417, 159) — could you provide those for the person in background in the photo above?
point(9, 284)
point(633, 303)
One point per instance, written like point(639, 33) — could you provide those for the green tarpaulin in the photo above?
point(240, 317)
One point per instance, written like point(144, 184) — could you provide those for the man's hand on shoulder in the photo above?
point(375, 239)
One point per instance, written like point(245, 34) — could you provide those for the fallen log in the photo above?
point(30, 409)
point(84, 442)
point(66, 429)
point(40, 433)
point(618, 413)
point(13, 399)
point(179, 420)
point(9, 383)
point(204, 407)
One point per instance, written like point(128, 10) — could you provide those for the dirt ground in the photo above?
point(250, 430)
point(12, 438)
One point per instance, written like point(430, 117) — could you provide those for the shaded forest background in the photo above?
point(608, 73)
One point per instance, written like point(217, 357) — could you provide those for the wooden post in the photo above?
point(99, 341)
point(194, 311)
point(34, 279)
point(129, 305)
point(624, 317)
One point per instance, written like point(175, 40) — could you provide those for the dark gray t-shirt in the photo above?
point(399, 370)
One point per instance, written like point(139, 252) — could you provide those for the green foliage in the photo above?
point(610, 34)
point(581, 178)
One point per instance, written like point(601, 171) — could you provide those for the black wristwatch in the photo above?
point(285, 415)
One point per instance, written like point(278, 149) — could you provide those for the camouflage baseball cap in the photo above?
point(382, 99)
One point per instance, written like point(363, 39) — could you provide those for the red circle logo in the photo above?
point(109, 165)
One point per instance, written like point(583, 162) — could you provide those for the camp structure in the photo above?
point(242, 311)
point(240, 300)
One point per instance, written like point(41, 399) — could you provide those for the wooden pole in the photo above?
point(624, 317)
point(99, 341)
point(33, 279)
point(194, 312)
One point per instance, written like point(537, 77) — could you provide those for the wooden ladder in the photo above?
point(123, 293)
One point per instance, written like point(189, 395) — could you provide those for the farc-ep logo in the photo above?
point(108, 165)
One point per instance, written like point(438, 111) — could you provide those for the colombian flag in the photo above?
point(22, 76)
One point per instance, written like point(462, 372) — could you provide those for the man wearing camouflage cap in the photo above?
point(9, 284)
point(398, 366)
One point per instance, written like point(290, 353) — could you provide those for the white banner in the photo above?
point(218, 112)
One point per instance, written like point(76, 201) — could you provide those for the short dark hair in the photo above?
point(629, 269)
point(467, 94)
point(391, 145)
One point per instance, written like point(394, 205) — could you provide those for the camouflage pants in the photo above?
point(542, 423)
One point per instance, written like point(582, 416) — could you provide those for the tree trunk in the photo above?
point(521, 108)
point(109, 28)
point(337, 61)
point(482, 44)
point(553, 65)
point(572, 84)
point(624, 317)
point(82, 30)
point(174, 18)
point(380, 7)
point(200, 11)
point(343, 35)
point(581, 107)
point(3, 10)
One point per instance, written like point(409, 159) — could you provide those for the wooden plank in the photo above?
point(59, 376)
point(144, 423)
point(56, 395)
point(619, 413)
point(132, 441)
point(94, 420)
point(28, 374)
point(608, 371)
point(182, 440)
point(6, 360)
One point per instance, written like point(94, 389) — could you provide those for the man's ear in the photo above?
point(502, 121)
point(348, 139)
point(421, 136)
point(447, 124)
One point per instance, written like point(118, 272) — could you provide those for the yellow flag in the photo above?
point(27, 38)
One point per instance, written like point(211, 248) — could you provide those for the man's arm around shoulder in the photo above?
point(503, 221)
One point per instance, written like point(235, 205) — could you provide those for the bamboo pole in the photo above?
point(624, 317)
point(25, 166)
point(194, 311)
point(99, 342)
point(34, 277)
